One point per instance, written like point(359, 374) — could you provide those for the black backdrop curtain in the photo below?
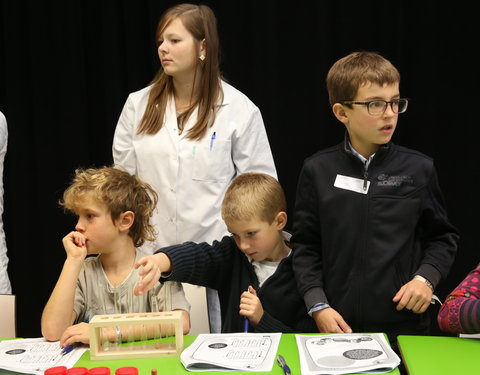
point(67, 67)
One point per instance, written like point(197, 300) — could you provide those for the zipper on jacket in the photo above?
point(365, 176)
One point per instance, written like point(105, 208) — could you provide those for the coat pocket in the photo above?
point(213, 161)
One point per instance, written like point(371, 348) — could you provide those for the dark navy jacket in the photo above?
point(356, 250)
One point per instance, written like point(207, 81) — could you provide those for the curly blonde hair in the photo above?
point(119, 191)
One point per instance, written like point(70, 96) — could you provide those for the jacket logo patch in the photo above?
point(386, 180)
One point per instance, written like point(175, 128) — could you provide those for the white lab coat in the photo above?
point(191, 177)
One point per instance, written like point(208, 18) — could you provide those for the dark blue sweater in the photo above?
point(224, 267)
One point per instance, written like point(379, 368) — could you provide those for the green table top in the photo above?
point(425, 355)
point(172, 365)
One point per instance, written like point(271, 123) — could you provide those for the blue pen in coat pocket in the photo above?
point(214, 136)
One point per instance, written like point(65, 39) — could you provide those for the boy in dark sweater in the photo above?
point(251, 269)
point(372, 238)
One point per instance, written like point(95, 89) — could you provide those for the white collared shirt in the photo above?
point(264, 269)
point(366, 162)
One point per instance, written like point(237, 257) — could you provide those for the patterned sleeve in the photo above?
point(461, 311)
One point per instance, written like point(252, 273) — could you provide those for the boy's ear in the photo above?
point(340, 113)
point(126, 220)
point(280, 220)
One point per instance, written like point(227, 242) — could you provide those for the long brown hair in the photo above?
point(200, 21)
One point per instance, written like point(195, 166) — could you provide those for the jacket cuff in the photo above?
point(430, 273)
point(313, 296)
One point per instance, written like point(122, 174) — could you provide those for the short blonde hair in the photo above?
point(253, 196)
point(119, 191)
point(351, 72)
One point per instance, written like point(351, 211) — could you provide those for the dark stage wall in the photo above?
point(66, 68)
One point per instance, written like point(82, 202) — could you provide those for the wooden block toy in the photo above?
point(159, 323)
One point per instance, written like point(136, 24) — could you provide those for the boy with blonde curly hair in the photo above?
point(113, 209)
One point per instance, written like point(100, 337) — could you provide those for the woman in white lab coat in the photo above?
point(189, 133)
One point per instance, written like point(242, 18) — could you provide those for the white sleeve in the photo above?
point(123, 151)
point(250, 149)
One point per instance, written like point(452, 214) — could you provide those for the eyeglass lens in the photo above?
point(377, 107)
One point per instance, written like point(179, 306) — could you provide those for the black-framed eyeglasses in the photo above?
point(378, 107)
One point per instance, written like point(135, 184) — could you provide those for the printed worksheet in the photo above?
point(231, 352)
point(34, 356)
point(335, 354)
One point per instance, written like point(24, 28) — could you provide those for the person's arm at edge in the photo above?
point(5, 285)
point(439, 253)
point(461, 311)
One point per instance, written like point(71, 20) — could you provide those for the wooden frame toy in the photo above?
point(100, 348)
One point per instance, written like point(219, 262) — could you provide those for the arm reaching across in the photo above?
point(152, 268)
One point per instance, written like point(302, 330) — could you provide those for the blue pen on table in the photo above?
point(283, 364)
point(67, 349)
point(214, 136)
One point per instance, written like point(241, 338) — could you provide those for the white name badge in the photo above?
point(353, 184)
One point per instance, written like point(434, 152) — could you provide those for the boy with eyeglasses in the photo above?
point(371, 237)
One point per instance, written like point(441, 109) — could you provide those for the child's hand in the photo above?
point(75, 245)
point(150, 273)
point(76, 333)
point(328, 320)
point(414, 295)
point(250, 306)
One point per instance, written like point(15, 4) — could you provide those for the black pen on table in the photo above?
point(283, 364)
